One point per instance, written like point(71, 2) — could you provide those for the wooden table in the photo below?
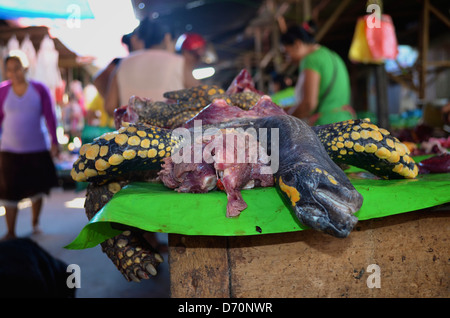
point(411, 250)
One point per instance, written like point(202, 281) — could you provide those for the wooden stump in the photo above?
point(410, 250)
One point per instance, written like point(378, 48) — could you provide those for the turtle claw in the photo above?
point(133, 256)
point(141, 274)
point(151, 269)
point(134, 278)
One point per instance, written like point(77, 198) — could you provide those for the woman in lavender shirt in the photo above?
point(28, 142)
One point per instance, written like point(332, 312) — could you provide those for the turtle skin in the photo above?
point(182, 105)
point(308, 179)
point(140, 147)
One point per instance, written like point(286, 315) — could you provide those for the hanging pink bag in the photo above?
point(382, 40)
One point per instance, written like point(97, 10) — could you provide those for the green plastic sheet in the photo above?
point(153, 207)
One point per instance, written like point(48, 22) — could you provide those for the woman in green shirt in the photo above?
point(323, 86)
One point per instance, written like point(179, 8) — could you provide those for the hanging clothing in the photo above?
point(28, 48)
point(13, 44)
point(47, 69)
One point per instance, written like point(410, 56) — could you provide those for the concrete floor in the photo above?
point(62, 219)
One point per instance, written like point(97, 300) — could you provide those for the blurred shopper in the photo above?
point(323, 85)
point(77, 92)
point(193, 47)
point(29, 271)
point(96, 108)
point(27, 144)
point(103, 77)
point(149, 71)
point(96, 113)
point(73, 118)
point(283, 92)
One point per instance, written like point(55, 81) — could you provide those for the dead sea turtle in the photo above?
point(313, 185)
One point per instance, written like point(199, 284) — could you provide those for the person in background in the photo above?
point(76, 90)
point(27, 144)
point(73, 117)
point(96, 107)
point(149, 71)
point(282, 91)
point(323, 85)
point(27, 270)
point(103, 77)
point(96, 114)
point(193, 47)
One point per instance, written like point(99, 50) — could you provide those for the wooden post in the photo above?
point(331, 20)
point(382, 100)
point(306, 10)
point(258, 56)
point(439, 15)
point(424, 48)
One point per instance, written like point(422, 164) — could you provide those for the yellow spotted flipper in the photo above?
point(132, 147)
point(362, 144)
point(201, 93)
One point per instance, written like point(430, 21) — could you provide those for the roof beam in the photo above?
point(332, 19)
point(438, 14)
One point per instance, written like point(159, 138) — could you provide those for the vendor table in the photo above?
point(405, 255)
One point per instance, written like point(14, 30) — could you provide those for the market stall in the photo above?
point(273, 248)
point(357, 208)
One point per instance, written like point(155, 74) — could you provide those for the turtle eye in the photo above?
point(287, 177)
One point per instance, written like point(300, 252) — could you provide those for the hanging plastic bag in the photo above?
point(373, 42)
point(359, 49)
point(381, 40)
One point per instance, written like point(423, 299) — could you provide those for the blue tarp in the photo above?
point(13, 9)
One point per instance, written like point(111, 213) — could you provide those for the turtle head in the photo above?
point(323, 199)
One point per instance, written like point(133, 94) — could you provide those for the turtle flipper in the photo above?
point(133, 256)
point(136, 147)
point(181, 118)
point(161, 114)
point(364, 145)
point(245, 100)
point(201, 93)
